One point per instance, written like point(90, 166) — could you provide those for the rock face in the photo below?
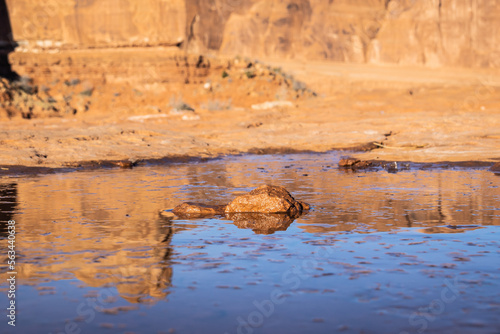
point(106, 23)
point(433, 33)
point(267, 199)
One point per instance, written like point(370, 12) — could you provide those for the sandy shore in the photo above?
point(416, 114)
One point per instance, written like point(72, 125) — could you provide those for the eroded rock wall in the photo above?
point(439, 32)
point(434, 32)
point(430, 32)
point(97, 23)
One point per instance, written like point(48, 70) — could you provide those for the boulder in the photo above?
point(197, 210)
point(267, 199)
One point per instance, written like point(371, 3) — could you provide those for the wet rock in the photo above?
point(197, 210)
point(261, 223)
point(392, 167)
point(364, 164)
point(125, 164)
point(495, 168)
point(348, 162)
point(167, 214)
point(353, 163)
point(267, 199)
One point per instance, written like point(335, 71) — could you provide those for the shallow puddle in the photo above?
point(380, 252)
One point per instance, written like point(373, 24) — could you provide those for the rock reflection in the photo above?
point(261, 223)
point(449, 229)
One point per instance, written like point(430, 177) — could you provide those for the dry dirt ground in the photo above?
point(134, 110)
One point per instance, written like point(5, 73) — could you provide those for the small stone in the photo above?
point(392, 167)
point(197, 210)
point(353, 163)
point(495, 167)
point(363, 164)
point(348, 162)
point(167, 214)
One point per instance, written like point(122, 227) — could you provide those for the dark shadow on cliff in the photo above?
point(7, 43)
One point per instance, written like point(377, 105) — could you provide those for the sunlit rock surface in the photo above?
point(267, 199)
point(433, 33)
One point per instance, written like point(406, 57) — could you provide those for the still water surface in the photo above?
point(408, 252)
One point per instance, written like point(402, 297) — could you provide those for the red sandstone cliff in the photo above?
point(431, 32)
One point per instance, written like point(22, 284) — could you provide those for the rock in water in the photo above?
point(353, 163)
point(196, 210)
point(495, 168)
point(267, 199)
point(348, 162)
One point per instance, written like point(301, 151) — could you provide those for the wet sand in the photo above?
point(415, 114)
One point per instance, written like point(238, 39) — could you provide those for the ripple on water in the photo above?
point(379, 252)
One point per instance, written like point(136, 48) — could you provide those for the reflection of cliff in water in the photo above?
point(104, 229)
point(8, 203)
point(139, 268)
point(84, 228)
point(385, 202)
point(377, 200)
point(140, 274)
